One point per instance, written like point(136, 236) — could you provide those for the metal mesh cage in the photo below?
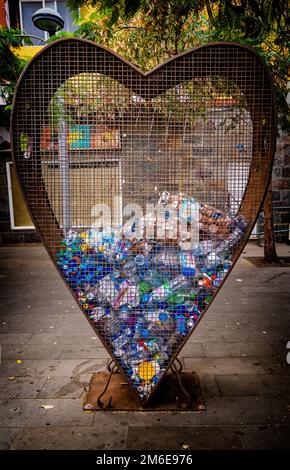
point(144, 187)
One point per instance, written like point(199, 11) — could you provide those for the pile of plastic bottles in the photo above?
point(145, 301)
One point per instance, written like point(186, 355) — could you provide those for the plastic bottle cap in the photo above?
point(146, 371)
point(163, 316)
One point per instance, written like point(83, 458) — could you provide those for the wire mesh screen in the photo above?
point(144, 187)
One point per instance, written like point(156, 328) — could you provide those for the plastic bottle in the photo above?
point(181, 324)
point(97, 313)
point(141, 261)
point(167, 259)
point(167, 288)
point(153, 277)
point(106, 287)
point(212, 260)
point(187, 264)
point(109, 326)
point(189, 210)
point(202, 248)
point(131, 296)
point(141, 329)
point(129, 268)
point(118, 300)
point(233, 239)
point(172, 343)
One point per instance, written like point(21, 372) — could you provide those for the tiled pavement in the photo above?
point(49, 353)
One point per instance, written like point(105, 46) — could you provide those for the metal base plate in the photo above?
point(168, 396)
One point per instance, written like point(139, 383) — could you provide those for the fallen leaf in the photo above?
point(185, 446)
point(19, 361)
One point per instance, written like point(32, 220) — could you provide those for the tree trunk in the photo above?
point(270, 253)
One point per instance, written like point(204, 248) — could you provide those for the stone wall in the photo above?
point(281, 188)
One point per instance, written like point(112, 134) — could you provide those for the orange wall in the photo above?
point(2, 13)
point(26, 52)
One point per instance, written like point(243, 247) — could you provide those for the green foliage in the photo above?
point(188, 101)
point(159, 30)
point(147, 32)
point(83, 95)
point(11, 67)
point(253, 18)
point(60, 35)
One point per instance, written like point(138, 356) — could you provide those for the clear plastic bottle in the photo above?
point(107, 289)
point(167, 259)
point(153, 277)
point(187, 264)
point(167, 288)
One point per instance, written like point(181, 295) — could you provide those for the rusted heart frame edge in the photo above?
point(144, 76)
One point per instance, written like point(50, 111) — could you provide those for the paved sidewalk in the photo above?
point(49, 352)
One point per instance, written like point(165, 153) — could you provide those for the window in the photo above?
point(27, 8)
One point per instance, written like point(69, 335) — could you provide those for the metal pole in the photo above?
point(64, 168)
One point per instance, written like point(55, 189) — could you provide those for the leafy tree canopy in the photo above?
point(147, 32)
point(11, 67)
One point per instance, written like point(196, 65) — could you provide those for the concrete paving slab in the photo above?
point(10, 368)
point(245, 349)
point(182, 437)
point(256, 335)
point(21, 387)
point(30, 413)
point(32, 351)
point(46, 338)
point(219, 411)
point(281, 410)
point(63, 387)
point(52, 368)
point(193, 349)
point(72, 438)
point(266, 438)
point(209, 385)
point(253, 385)
point(82, 351)
point(227, 365)
point(14, 338)
point(243, 370)
point(7, 436)
point(276, 365)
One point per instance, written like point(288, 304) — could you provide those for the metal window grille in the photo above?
point(144, 187)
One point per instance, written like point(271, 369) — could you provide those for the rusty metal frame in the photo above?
point(263, 145)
